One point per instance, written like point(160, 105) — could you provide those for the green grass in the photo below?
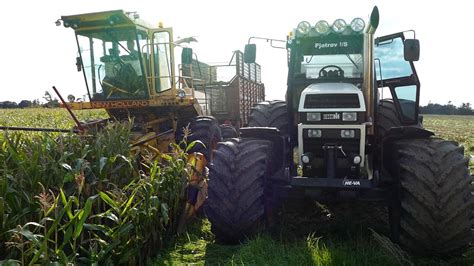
point(321, 237)
point(284, 245)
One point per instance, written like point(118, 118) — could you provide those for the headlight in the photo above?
point(181, 94)
point(339, 25)
point(304, 27)
point(322, 27)
point(349, 116)
point(313, 116)
point(357, 159)
point(314, 133)
point(305, 159)
point(347, 133)
point(357, 25)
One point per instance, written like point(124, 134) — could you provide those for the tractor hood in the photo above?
point(330, 97)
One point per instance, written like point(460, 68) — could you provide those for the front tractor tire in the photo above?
point(236, 200)
point(433, 210)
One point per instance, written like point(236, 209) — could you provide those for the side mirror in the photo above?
point(187, 56)
point(78, 64)
point(411, 50)
point(250, 53)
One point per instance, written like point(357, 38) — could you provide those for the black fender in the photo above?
point(406, 132)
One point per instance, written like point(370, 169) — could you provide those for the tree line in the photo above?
point(49, 102)
point(447, 109)
point(430, 108)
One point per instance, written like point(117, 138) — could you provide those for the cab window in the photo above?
point(162, 63)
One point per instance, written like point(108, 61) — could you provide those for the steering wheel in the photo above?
point(123, 82)
point(337, 73)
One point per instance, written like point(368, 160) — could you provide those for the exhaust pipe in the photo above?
point(374, 21)
point(369, 68)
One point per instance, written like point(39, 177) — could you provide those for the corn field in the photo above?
point(66, 198)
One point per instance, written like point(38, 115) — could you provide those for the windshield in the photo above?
point(112, 64)
point(329, 57)
point(320, 66)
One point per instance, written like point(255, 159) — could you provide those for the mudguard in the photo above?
point(406, 132)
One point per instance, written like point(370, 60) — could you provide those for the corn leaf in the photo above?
point(108, 200)
point(2, 211)
point(66, 204)
point(67, 237)
point(166, 157)
point(44, 246)
point(10, 262)
point(83, 216)
point(127, 205)
point(192, 144)
point(164, 212)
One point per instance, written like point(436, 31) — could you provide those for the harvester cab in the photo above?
point(123, 58)
point(129, 65)
point(130, 71)
point(349, 130)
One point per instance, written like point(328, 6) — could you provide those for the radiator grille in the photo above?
point(332, 101)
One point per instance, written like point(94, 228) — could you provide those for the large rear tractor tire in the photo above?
point(236, 201)
point(206, 130)
point(435, 200)
point(270, 114)
point(387, 117)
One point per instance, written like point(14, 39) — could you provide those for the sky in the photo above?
point(36, 55)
